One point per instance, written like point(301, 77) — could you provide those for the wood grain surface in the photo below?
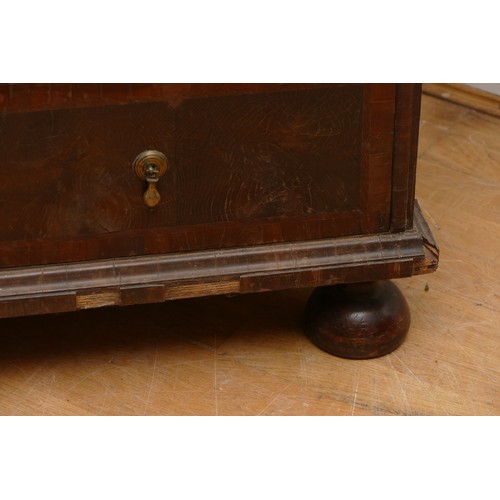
point(247, 355)
point(273, 155)
point(67, 174)
point(17, 97)
point(465, 95)
point(65, 287)
point(246, 168)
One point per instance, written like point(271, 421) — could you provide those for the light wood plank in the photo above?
point(465, 95)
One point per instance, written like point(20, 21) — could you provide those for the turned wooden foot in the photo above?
point(361, 320)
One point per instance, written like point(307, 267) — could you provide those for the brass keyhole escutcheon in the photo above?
point(149, 166)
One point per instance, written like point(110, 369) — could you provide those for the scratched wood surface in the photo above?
point(250, 156)
point(247, 355)
point(243, 169)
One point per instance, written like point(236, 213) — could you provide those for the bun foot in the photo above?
point(358, 321)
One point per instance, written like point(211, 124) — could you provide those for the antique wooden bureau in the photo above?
point(119, 194)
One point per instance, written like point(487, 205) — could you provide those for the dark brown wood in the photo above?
point(245, 168)
point(405, 155)
point(250, 156)
point(175, 239)
point(69, 173)
point(25, 97)
point(269, 186)
point(359, 321)
point(378, 132)
point(240, 270)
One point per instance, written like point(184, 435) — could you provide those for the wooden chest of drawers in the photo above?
point(125, 194)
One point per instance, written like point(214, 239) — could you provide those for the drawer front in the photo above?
point(68, 188)
point(247, 168)
point(285, 154)
point(68, 173)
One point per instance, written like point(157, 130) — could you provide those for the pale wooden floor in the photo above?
point(246, 355)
